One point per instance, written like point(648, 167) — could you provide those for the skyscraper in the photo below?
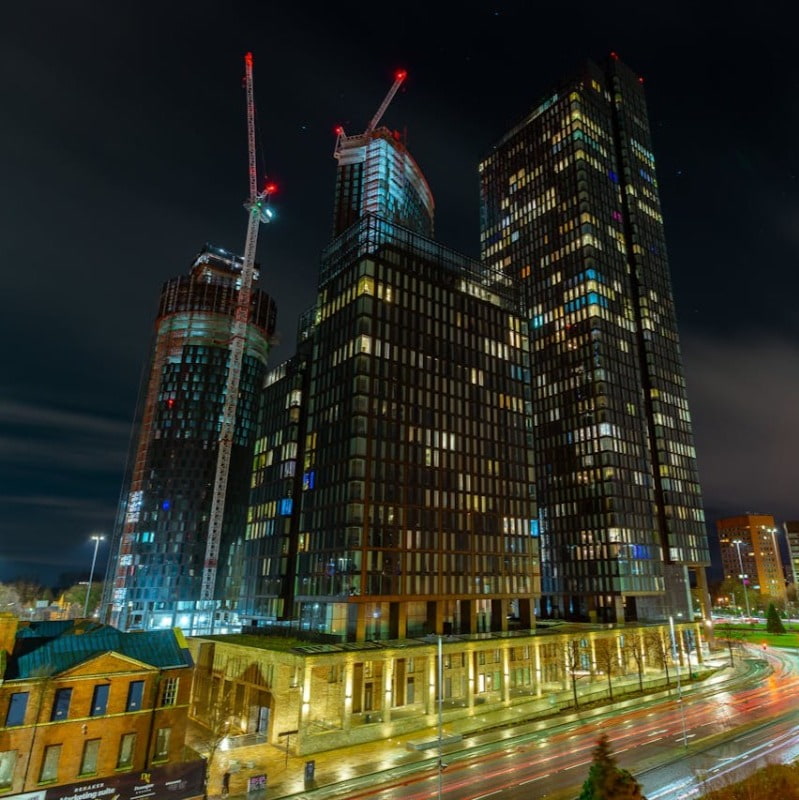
point(159, 543)
point(571, 214)
point(417, 513)
point(391, 483)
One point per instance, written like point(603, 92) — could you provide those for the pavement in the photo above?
point(285, 772)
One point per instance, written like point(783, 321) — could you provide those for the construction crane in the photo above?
point(258, 211)
point(362, 138)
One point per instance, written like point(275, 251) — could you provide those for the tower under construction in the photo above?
point(162, 528)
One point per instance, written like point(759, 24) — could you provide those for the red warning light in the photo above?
point(640, 79)
point(400, 75)
point(270, 188)
point(170, 402)
point(338, 130)
point(614, 56)
point(248, 59)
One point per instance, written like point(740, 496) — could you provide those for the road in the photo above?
point(677, 748)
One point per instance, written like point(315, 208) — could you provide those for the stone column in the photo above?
point(346, 717)
point(537, 676)
point(388, 688)
point(505, 673)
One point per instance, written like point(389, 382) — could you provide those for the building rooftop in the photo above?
point(50, 648)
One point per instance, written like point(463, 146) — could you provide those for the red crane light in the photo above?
point(270, 188)
point(400, 75)
point(338, 130)
point(640, 79)
point(614, 56)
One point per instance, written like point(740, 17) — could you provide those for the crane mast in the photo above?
point(258, 212)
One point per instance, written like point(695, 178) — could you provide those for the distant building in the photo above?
point(750, 553)
point(159, 546)
point(791, 529)
point(85, 706)
point(571, 215)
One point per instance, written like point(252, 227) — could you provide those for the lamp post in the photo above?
point(737, 543)
point(679, 686)
point(96, 539)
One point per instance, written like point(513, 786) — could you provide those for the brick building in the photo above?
point(86, 708)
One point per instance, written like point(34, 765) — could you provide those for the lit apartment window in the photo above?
point(88, 763)
point(162, 744)
point(8, 761)
point(61, 704)
point(99, 700)
point(50, 763)
point(17, 704)
point(169, 693)
point(127, 746)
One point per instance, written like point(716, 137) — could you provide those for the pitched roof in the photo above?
point(50, 648)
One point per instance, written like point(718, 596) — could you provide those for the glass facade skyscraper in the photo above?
point(159, 543)
point(571, 213)
point(417, 513)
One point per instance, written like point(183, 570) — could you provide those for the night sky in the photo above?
point(123, 150)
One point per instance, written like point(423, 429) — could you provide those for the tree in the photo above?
point(607, 659)
point(661, 649)
point(10, 599)
point(634, 646)
point(574, 665)
point(773, 621)
point(74, 599)
point(606, 780)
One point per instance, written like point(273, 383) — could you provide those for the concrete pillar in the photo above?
point(499, 614)
point(346, 717)
point(388, 688)
point(505, 673)
point(398, 620)
point(526, 613)
point(698, 638)
point(469, 616)
point(430, 704)
point(435, 617)
point(471, 678)
point(305, 706)
point(537, 675)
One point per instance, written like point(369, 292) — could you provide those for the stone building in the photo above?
point(85, 707)
point(315, 697)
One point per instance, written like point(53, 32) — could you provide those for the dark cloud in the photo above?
point(122, 150)
point(744, 395)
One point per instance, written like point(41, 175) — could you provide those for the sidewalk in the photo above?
point(285, 772)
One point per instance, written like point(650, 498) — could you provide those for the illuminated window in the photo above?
point(127, 746)
point(169, 693)
point(162, 743)
point(88, 762)
point(50, 763)
point(8, 761)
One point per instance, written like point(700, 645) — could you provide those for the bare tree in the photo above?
point(574, 665)
point(607, 659)
point(635, 648)
point(659, 646)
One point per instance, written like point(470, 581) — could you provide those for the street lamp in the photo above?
point(96, 539)
point(738, 543)
point(674, 657)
